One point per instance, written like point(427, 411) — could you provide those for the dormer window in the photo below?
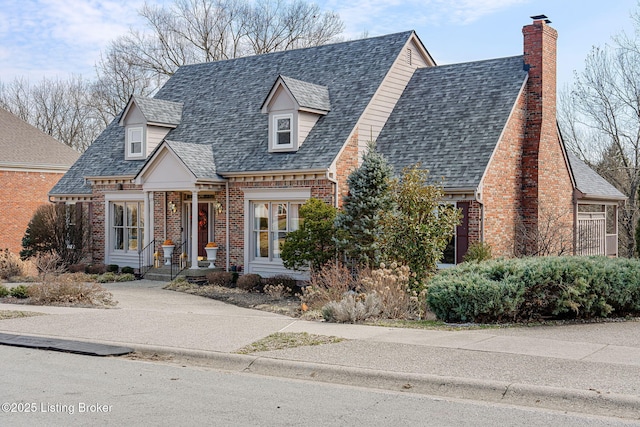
point(293, 107)
point(283, 126)
point(135, 141)
point(147, 121)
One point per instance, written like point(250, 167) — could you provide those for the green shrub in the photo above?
point(4, 292)
point(113, 268)
point(536, 288)
point(106, 278)
point(20, 291)
point(249, 282)
point(477, 252)
point(127, 277)
point(220, 278)
point(127, 270)
point(312, 245)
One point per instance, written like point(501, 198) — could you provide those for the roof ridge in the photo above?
point(280, 52)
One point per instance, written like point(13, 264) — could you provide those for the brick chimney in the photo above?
point(540, 129)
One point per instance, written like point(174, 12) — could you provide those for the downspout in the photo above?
point(335, 185)
point(478, 197)
point(227, 239)
point(575, 223)
point(166, 198)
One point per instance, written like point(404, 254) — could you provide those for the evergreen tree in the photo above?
point(311, 245)
point(419, 228)
point(59, 229)
point(360, 222)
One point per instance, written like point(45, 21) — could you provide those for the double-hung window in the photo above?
point(135, 144)
point(271, 223)
point(282, 131)
point(127, 225)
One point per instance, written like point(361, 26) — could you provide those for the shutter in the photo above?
point(462, 232)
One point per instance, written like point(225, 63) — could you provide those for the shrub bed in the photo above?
point(536, 288)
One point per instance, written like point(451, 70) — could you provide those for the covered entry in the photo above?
point(187, 169)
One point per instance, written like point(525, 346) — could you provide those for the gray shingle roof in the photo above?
point(221, 108)
point(308, 95)
point(22, 145)
point(450, 118)
point(197, 157)
point(160, 111)
point(589, 182)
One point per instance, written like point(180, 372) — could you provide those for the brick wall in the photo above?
point(547, 190)
point(527, 186)
point(347, 162)
point(20, 195)
point(319, 188)
point(501, 191)
point(97, 216)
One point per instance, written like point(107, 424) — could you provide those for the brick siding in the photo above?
point(21, 193)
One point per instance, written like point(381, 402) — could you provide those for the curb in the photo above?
point(542, 397)
point(536, 396)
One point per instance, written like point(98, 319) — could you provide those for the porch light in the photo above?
point(172, 207)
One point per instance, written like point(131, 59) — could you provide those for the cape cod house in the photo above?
point(228, 151)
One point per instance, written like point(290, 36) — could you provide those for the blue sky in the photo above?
point(54, 38)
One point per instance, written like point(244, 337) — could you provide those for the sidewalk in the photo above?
point(592, 368)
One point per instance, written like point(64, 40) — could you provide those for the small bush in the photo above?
point(353, 308)
point(329, 283)
point(20, 292)
point(220, 278)
point(275, 291)
point(478, 252)
point(108, 277)
point(127, 277)
point(289, 284)
point(127, 270)
point(10, 265)
point(113, 268)
point(4, 292)
point(48, 263)
point(537, 288)
point(96, 269)
point(392, 285)
point(77, 268)
point(66, 290)
point(249, 282)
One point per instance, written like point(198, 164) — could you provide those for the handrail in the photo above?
point(146, 258)
point(177, 263)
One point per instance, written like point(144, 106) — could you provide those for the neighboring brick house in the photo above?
point(244, 142)
point(31, 163)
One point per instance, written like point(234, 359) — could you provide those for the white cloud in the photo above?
point(383, 16)
point(40, 37)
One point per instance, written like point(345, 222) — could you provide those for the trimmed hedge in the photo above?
point(536, 288)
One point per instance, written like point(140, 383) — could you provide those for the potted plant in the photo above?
point(212, 249)
point(167, 248)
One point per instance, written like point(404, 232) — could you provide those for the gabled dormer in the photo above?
point(147, 121)
point(293, 107)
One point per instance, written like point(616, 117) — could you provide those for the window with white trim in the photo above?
point(271, 221)
point(282, 132)
point(127, 226)
point(135, 141)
